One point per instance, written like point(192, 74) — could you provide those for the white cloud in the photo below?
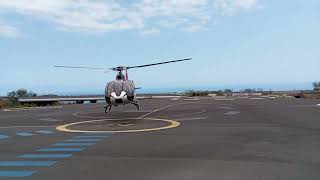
point(9, 31)
point(152, 31)
point(116, 15)
point(230, 7)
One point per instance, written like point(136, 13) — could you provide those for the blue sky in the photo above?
point(233, 43)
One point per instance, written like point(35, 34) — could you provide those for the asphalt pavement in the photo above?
point(232, 138)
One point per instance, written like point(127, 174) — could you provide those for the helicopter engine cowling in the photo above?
point(120, 92)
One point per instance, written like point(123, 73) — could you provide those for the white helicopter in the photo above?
point(122, 90)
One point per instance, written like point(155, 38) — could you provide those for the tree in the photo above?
point(12, 97)
point(31, 94)
point(22, 92)
point(248, 90)
point(316, 86)
point(228, 90)
point(12, 94)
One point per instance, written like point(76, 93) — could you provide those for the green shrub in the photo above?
point(12, 99)
point(316, 86)
point(192, 93)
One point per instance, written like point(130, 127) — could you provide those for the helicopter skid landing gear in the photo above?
point(136, 104)
point(107, 108)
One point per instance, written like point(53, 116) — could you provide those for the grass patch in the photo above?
point(6, 104)
point(313, 95)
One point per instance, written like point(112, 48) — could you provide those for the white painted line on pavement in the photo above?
point(50, 120)
point(191, 99)
point(257, 98)
point(175, 99)
point(232, 113)
point(227, 108)
point(270, 97)
point(24, 134)
point(189, 119)
point(155, 111)
point(32, 108)
point(224, 99)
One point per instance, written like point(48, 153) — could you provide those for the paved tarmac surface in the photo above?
point(195, 138)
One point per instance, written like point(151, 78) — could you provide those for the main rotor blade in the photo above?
point(154, 64)
point(108, 71)
point(81, 67)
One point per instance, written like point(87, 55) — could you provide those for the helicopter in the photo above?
point(121, 91)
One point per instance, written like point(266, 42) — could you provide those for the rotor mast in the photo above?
point(120, 75)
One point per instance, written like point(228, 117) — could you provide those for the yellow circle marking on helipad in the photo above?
point(65, 128)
